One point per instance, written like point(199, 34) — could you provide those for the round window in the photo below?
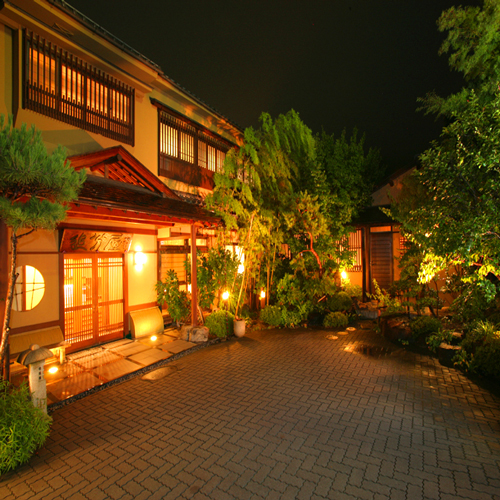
point(29, 289)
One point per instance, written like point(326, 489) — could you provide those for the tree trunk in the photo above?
point(8, 305)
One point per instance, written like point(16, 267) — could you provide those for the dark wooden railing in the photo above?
point(59, 85)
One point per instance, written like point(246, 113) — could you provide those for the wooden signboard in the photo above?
point(79, 240)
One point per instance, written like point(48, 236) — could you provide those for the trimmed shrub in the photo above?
point(220, 323)
point(481, 350)
point(23, 428)
point(339, 302)
point(291, 317)
point(423, 326)
point(354, 291)
point(271, 315)
point(335, 320)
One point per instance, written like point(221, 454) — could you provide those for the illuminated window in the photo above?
point(62, 86)
point(354, 243)
point(181, 139)
point(211, 158)
point(177, 138)
point(29, 289)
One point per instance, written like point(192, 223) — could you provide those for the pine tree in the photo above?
point(34, 188)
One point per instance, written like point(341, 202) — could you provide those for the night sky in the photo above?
point(339, 63)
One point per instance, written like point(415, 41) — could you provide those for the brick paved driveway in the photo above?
point(276, 415)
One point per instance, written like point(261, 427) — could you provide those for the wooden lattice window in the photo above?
point(62, 86)
point(354, 243)
point(404, 244)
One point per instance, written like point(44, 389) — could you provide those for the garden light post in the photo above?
point(225, 298)
point(34, 358)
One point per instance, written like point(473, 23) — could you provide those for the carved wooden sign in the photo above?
point(79, 240)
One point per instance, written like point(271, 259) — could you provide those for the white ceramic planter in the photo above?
point(239, 327)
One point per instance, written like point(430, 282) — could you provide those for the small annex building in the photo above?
point(377, 241)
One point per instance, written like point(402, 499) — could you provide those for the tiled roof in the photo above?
point(98, 191)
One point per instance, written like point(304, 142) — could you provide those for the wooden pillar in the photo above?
point(4, 284)
point(194, 286)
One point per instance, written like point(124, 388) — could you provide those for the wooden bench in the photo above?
point(51, 337)
point(145, 322)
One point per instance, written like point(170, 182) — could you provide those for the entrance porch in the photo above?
point(98, 365)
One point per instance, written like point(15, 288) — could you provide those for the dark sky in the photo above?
point(339, 63)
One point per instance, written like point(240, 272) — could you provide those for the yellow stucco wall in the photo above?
point(40, 251)
point(141, 281)
point(5, 70)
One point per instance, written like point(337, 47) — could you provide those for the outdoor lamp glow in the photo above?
point(225, 295)
point(262, 294)
point(53, 369)
point(154, 337)
point(343, 275)
point(140, 258)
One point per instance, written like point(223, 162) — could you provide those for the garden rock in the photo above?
point(395, 327)
point(446, 353)
point(194, 334)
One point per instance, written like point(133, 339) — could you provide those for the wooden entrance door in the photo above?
point(381, 259)
point(93, 298)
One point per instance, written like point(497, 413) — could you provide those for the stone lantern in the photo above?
point(34, 358)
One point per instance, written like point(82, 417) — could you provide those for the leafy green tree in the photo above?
point(454, 213)
point(473, 42)
point(286, 186)
point(348, 174)
point(255, 188)
point(34, 188)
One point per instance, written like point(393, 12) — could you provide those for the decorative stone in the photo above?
point(351, 329)
point(342, 333)
point(446, 353)
point(34, 358)
point(196, 334)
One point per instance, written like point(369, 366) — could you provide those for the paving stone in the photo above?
point(149, 356)
point(177, 346)
point(279, 414)
point(116, 370)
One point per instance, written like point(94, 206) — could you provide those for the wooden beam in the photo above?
point(194, 283)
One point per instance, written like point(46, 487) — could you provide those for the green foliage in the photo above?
point(169, 294)
point(216, 272)
point(481, 350)
point(350, 174)
point(455, 222)
point(473, 44)
point(354, 291)
point(434, 340)
point(23, 428)
point(294, 317)
point(286, 186)
point(335, 320)
point(339, 302)
point(220, 323)
point(423, 326)
point(474, 297)
point(28, 172)
point(271, 315)
point(34, 189)
point(392, 304)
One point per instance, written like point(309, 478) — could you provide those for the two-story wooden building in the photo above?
point(150, 150)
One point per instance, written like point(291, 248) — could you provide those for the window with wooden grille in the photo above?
point(404, 244)
point(354, 243)
point(187, 152)
point(62, 86)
